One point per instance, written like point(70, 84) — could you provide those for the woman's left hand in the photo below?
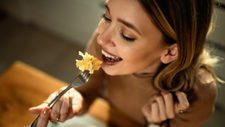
point(162, 107)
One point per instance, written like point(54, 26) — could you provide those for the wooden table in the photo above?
point(23, 86)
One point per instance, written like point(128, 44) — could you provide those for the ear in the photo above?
point(170, 54)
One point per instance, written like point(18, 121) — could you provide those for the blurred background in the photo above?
point(47, 34)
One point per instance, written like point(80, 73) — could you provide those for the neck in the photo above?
point(144, 75)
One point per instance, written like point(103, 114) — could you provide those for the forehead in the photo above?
point(126, 6)
point(133, 12)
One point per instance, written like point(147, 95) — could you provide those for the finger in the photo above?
point(162, 108)
point(53, 95)
point(155, 112)
point(183, 103)
point(76, 108)
point(37, 109)
point(44, 117)
point(169, 103)
point(76, 104)
point(55, 112)
point(146, 110)
point(65, 107)
point(71, 114)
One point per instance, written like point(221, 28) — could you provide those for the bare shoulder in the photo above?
point(205, 77)
point(205, 82)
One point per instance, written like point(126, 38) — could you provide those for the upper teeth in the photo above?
point(107, 55)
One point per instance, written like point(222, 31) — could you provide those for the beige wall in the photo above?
point(71, 19)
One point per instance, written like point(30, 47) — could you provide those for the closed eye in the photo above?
point(126, 38)
point(106, 18)
point(121, 32)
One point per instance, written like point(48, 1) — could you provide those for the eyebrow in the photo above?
point(129, 25)
point(124, 22)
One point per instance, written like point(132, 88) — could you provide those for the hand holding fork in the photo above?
point(80, 80)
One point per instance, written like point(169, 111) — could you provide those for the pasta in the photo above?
point(89, 62)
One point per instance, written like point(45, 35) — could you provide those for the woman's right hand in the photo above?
point(65, 108)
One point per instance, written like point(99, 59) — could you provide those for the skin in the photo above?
point(43, 119)
point(148, 43)
point(148, 48)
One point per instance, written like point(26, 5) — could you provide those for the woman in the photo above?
point(154, 62)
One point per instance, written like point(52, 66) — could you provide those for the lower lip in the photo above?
point(106, 61)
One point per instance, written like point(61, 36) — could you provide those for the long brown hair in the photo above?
point(187, 23)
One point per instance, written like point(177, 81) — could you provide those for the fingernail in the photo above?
point(70, 94)
point(46, 109)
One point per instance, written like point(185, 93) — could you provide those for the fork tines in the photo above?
point(85, 76)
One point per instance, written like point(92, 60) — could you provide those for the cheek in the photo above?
point(136, 57)
point(137, 54)
point(130, 54)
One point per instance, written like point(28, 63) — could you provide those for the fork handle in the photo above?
point(34, 124)
point(57, 97)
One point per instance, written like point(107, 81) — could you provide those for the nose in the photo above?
point(106, 37)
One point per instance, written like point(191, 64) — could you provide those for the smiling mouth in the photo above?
point(111, 58)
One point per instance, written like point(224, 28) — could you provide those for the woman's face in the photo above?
point(130, 42)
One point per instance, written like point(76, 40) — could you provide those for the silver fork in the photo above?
point(80, 80)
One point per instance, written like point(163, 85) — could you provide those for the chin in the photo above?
point(114, 72)
point(108, 72)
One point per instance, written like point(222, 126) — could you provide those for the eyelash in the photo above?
point(121, 32)
point(105, 18)
point(125, 37)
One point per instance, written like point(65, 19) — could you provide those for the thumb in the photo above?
point(37, 109)
point(182, 103)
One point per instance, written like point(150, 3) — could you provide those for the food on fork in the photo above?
point(89, 62)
